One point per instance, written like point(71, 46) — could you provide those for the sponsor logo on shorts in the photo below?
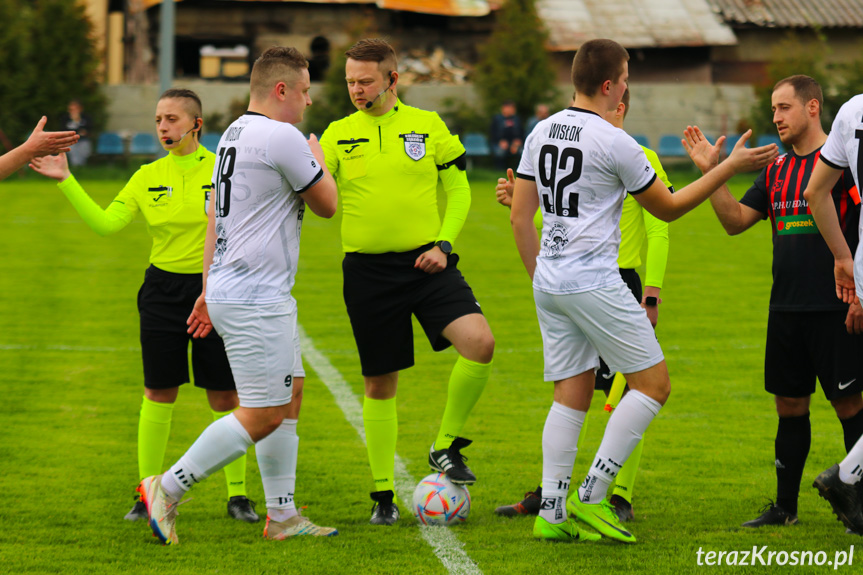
point(802, 224)
point(846, 384)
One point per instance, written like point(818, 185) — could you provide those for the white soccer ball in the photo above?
point(439, 501)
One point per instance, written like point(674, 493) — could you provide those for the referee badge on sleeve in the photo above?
point(415, 145)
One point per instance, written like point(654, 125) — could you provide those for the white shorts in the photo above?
point(263, 346)
point(608, 322)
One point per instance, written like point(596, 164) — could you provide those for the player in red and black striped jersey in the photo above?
point(802, 262)
point(810, 333)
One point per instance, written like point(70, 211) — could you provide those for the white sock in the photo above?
point(623, 432)
point(222, 442)
point(277, 460)
point(851, 467)
point(559, 448)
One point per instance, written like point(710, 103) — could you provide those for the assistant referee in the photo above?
point(171, 194)
point(387, 159)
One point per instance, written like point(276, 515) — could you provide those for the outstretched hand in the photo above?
point(503, 191)
point(199, 320)
point(743, 159)
point(54, 167)
point(41, 143)
point(704, 155)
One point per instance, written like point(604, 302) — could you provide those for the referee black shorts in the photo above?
point(604, 376)
point(802, 346)
point(381, 293)
point(164, 303)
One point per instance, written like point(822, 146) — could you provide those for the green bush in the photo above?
point(48, 58)
point(461, 117)
point(333, 102)
point(514, 64)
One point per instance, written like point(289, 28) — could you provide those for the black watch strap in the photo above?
point(651, 301)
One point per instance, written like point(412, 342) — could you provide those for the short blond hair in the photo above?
point(276, 64)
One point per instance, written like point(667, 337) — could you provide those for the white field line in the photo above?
point(443, 542)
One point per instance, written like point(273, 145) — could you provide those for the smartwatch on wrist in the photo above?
point(650, 301)
point(446, 247)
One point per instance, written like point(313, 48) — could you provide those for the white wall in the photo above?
point(656, 109)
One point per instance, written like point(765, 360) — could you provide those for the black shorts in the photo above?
point(604, 376)
point(804, 345)
point(382, 291)
point(164, 303)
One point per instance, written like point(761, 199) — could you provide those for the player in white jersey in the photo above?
point(577, 168)
point(264, 176)
point(840, 484)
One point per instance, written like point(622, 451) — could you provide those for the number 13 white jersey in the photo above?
point(583, 167)
point(262, 167)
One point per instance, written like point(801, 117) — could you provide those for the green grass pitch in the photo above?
point(71, 384)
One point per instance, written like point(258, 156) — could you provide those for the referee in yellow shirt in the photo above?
point(171, 194)
point(387, 159)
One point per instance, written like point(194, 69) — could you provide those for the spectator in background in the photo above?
point(540, 114)
point(77, 121)
point(507, 136)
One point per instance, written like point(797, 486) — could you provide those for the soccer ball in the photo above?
point(439, 501)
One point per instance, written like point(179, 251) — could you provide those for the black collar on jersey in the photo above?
point(250, 113)
point(574, 109)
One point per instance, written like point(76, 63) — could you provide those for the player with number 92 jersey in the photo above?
point(262, 168)
point(583, 168)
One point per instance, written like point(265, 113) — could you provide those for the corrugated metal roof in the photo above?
point(634, 23)
point(791, 13)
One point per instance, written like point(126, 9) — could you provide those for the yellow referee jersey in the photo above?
point(171, 194)
point(387, 168)
point(638, 225)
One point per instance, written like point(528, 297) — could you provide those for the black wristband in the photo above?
point(651, 301)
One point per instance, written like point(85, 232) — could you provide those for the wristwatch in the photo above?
point(650, 301)
point(446, 247)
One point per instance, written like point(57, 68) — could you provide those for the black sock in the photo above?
point(793, 438)
point(852, 428)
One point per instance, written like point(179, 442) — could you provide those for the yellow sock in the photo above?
point(466, 383)
point(381, 423)
point(624, 483)
point(154, 427)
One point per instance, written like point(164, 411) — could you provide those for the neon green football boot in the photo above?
point(566, 531)
point(601, 516)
